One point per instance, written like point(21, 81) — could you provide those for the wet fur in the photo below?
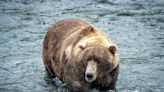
point(65, 58)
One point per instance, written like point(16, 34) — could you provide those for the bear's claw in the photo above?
point(58, 82)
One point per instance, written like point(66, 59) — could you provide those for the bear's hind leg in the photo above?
point(47, 64)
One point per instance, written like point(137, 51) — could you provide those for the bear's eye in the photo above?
point(97, 61)
point(106, 65)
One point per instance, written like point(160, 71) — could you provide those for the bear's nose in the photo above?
point(89, 76)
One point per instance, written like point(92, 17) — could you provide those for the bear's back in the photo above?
point(55, 40)
point(61, 30)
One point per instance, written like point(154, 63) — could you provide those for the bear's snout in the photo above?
point(89, 76)
point(91, 71)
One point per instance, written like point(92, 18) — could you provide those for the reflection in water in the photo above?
point(137, 26)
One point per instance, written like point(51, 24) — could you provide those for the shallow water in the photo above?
point(137, 26)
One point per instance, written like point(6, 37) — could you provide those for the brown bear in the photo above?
point(81, 56)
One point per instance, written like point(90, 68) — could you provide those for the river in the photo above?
point(136, 26)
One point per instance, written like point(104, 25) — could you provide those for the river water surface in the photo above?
point(136, 26)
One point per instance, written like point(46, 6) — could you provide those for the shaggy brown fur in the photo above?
point(68, 47)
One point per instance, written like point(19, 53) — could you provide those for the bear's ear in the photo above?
point(81, 47)
point(113, 49)
point(86, 30)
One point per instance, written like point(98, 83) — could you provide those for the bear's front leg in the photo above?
point(114, 75)
point(74, 79)
point(77, 86)
point(112, 78)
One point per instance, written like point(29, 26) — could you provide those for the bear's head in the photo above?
point(94, 54)
point(98, 61)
